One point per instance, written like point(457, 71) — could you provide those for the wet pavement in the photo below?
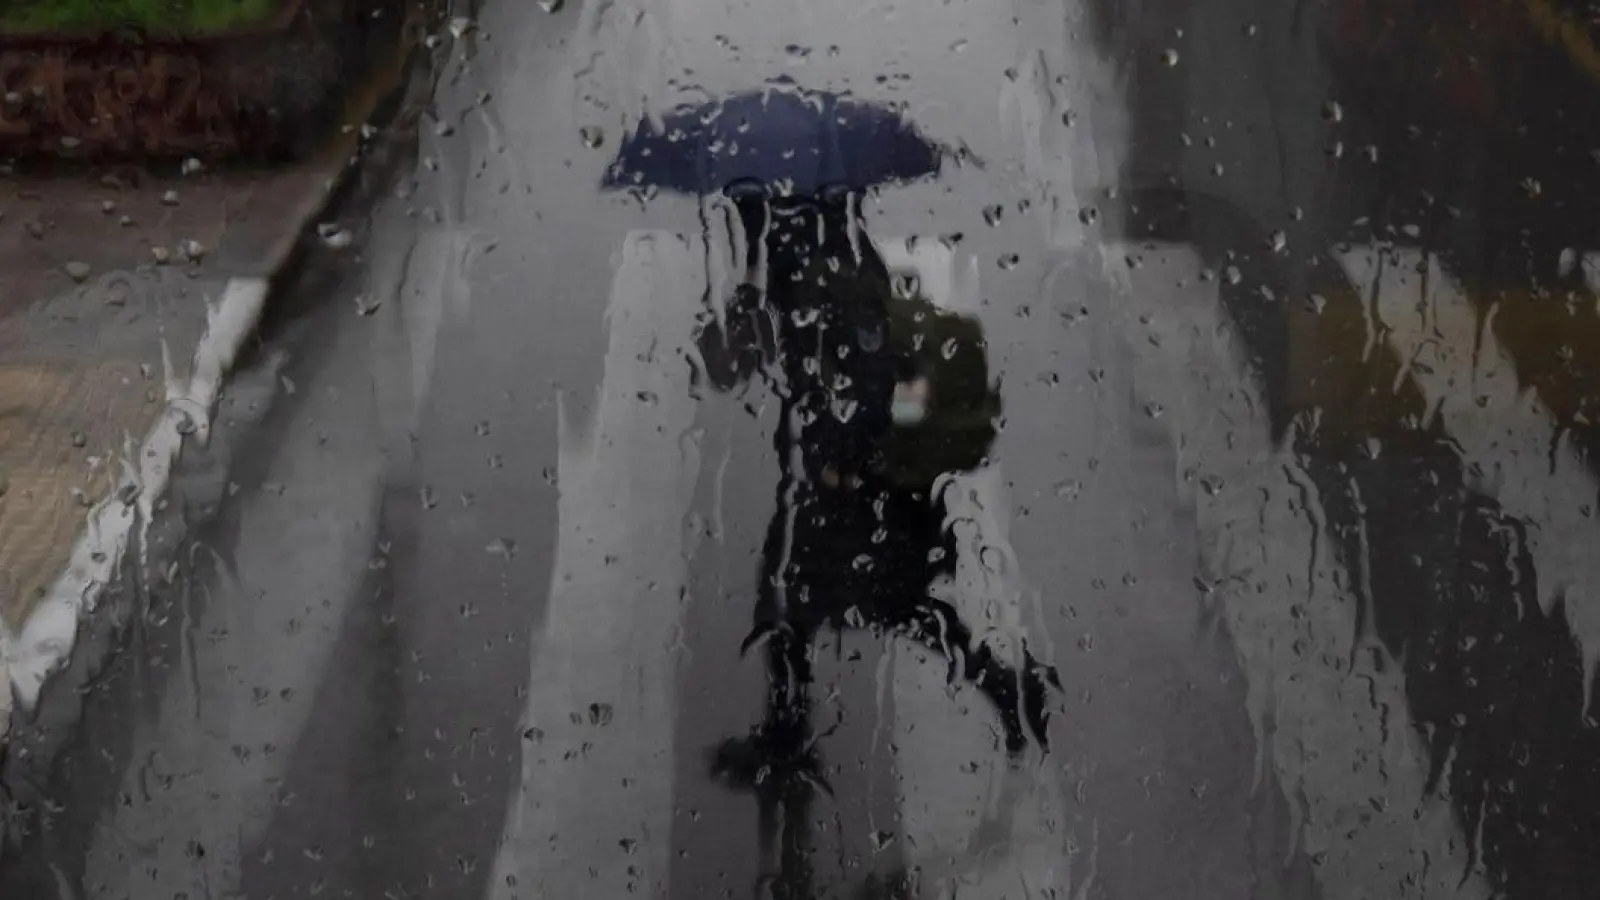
point(1290, 478)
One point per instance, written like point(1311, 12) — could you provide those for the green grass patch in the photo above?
point(188, 16)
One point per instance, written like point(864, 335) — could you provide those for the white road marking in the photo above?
point(595, 804)
point(971, 826)
point(1317, 728)
point(1450, 350)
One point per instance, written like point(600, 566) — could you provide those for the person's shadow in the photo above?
point(882, 393)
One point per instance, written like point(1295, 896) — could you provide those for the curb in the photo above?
point(41, 653)
point(47, 639)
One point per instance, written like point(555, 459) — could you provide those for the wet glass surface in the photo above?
point(990, 449)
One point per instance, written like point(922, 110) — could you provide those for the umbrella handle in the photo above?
point(835, 160)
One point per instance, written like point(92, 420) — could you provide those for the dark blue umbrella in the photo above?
point(785, 137)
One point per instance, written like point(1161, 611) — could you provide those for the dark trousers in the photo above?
point(865, 558)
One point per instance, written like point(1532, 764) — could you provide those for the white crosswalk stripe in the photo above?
point(595, 804)
point(974, 831)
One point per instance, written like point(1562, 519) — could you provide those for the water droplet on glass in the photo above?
point(844, 408)
point(1232, 275)
point(333, 237)
point(170, 198)
point(1009, 261)
point(459, 26)
point(1278, 242)
point(552, 6)
point(1088, 215)
point(993, 214)
point(881, 840)
point(948, 350)
point(592, 136)
point(805, 317)
point(1169, 57)
point(1332, 111)
point(1153, 410)
point(502, 547)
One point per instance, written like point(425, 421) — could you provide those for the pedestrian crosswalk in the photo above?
point(1329, 706)
point(595, 805)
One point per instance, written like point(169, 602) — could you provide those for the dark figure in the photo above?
point(878, 401)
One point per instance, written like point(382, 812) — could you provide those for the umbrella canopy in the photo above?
point(795, 140)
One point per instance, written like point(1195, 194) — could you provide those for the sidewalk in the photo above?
point(101, 318)
point(124, 298)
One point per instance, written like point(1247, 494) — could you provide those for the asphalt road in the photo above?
point(1294, 486)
